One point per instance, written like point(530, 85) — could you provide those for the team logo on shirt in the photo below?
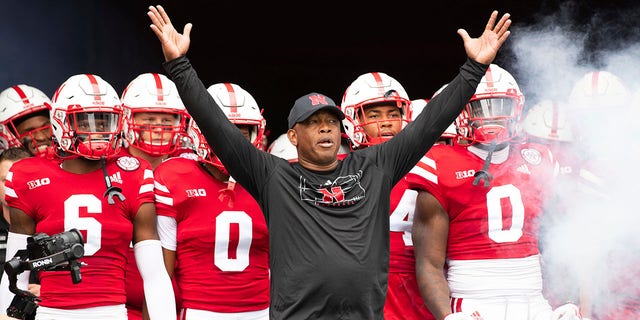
point(116, 178)
point(38, 183)
point(128, 163)
point(343, 191)
point(532, 156)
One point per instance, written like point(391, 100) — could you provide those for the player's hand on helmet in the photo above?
point(567, 311)
point(173, 43)
point(484, 48)
point(464, 316)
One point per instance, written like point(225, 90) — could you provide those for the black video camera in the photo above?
point(51, 253)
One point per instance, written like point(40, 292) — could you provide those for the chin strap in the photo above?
point(484, 173)
point(111, 190)
point(228, 193)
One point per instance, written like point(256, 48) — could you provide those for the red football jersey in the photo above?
point(133, 280)
point(222, 247)
point(58, 200)
point(403, 296)
point(402, 205)
point(495, 222)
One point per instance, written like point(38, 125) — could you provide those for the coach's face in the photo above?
point(317, 140)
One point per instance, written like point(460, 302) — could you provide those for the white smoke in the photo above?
point(592, 241)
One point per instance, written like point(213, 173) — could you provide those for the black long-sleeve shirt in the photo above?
point(329, 231)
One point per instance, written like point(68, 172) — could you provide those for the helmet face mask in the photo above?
point(155, 117)
point(155, 133)
point(374, 89)
point(492, 119)
point(494, 112)
point(201, 147)
point(87, 117)
point(95, 133)
point(25, 119)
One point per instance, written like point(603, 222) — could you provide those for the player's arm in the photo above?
point(21, 222)
point(167, 230)
point(144, 224)
point(430, 231)
point(159, 297)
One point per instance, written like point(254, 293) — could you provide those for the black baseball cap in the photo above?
point(309, 104)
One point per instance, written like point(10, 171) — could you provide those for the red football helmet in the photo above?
point(599, 99)
point(494, 112)
point(370, 89)
point(240, 108)
point(17, 105)
point(155, 117)
point(283, 148)
point(548, 121)
point(86, 117)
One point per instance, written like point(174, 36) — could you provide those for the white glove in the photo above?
point(464, 316)
point(567, 311)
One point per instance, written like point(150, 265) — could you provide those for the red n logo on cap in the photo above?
point(318, 99)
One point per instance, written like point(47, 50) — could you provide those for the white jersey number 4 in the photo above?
point(401, 219)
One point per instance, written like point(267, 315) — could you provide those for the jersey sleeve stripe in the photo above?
point(148, 174)
point(164, 200)
point(10, 192)
point(161, 187)
point(146, 188)
point(417, 170)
